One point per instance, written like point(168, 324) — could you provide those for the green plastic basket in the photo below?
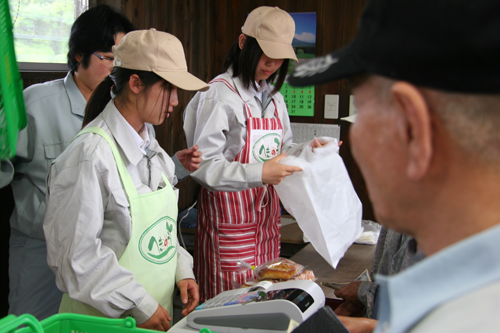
point(68, 323)
point(12, 110)
point(71, 323)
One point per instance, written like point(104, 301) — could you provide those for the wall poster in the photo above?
point(300, 101)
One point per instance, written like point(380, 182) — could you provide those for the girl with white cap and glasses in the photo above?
point(111, 205)
point(241, 124)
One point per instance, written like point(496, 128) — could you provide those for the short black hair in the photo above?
point(244, 63)
point(95, 30)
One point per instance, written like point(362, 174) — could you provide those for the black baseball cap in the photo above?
point(450, 45)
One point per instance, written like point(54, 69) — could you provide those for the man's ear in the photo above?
point(78, 57)
point(414, 127)
point(135, 83)
point(241, 41)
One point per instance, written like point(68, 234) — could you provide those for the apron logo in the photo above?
point(267, 147)
point(158, 244)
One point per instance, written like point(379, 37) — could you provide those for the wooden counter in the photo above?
point(292, 234)
point(356, 259)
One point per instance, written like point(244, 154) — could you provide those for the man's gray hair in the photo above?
point(473, 121)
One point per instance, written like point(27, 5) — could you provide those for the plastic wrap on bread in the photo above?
point(279, 268)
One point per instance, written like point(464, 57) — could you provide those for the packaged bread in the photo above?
point(278, 269)
point(305, 275)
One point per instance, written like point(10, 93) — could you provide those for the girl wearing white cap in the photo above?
point(241, 124)
point(111, 205)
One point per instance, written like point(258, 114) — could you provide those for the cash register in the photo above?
point(265, 307)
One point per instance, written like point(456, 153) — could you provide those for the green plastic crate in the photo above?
point(68, 323)
point(12, 109)
point(71, 323)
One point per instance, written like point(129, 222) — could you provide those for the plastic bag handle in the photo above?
point(12, 322)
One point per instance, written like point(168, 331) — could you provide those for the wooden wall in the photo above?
point(207, 29)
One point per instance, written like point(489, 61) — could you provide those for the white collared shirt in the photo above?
point(410, 300)
point(88, 224)
point(141, 138)
point(259, 90)
point(215, 120)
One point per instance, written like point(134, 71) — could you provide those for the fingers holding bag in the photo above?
point(274, 172)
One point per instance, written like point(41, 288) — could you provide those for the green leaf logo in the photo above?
point(158, 243)
point(267, 147)
point(152, 242)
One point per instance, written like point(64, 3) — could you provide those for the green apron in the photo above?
point(151, 254)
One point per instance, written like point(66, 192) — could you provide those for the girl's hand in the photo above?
point(189, 295)
point(274, 172)
point(190, 158)
point(158, 321)
point(316, 143)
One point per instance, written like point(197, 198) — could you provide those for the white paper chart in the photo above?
point(303, 132)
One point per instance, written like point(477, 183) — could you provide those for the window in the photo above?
point(41, 32)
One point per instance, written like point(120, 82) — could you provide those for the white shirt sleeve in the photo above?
point(85, 268)
point(218, 134)
point(184, 264)
point(180, 171)
point(216, 121)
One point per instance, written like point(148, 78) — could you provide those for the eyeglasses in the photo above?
point(108, 62)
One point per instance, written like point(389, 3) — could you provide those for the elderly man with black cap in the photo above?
point(426, 81)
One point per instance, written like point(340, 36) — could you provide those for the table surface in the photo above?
point(356, 259)
point(292, 234)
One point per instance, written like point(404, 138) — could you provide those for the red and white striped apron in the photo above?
point(234, 226)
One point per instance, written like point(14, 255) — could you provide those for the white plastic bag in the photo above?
point(322, 199)
point(371, 231)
